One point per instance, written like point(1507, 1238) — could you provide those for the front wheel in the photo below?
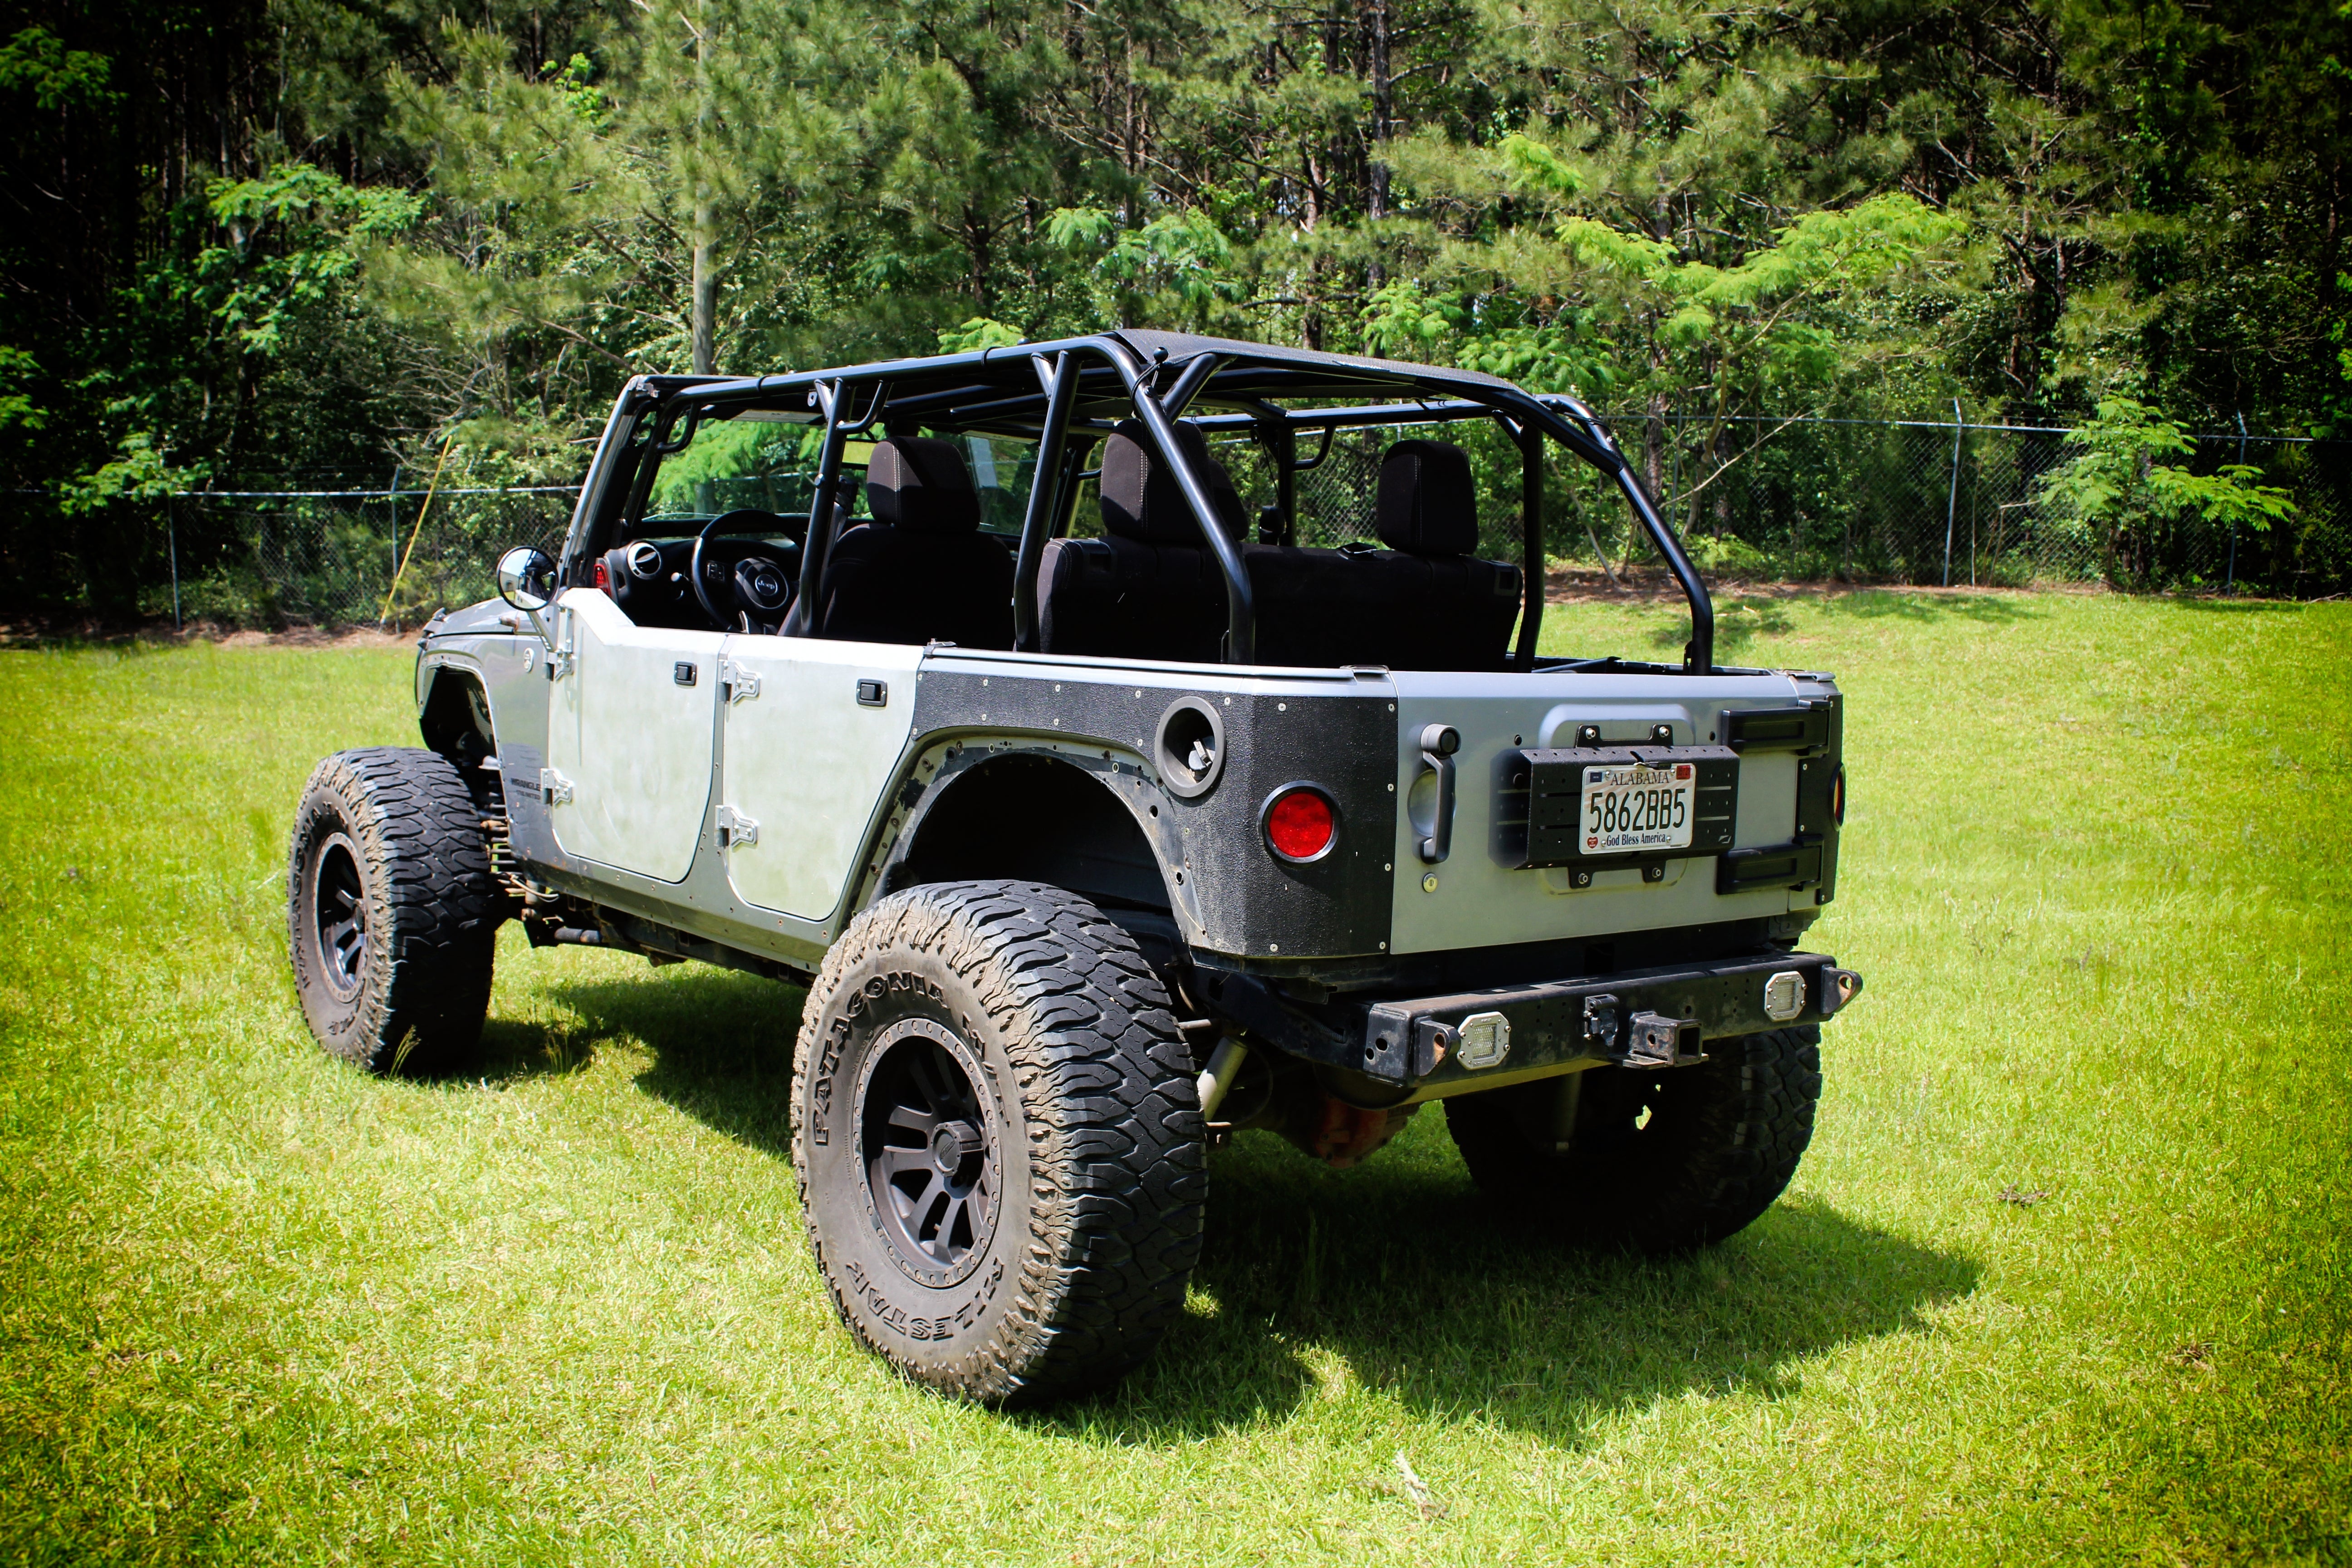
point(1659, 1160)
point(391, 910)
point(998, 1141)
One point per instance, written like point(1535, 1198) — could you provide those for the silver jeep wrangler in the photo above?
point(1101, 821)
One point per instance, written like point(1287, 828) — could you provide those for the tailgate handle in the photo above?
point(1438, 744)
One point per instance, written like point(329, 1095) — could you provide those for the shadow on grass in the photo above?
point(722, 1044)
point(2214, 606)
point(1398, 1272)
point(1983, 608)
point(1403, 1276)
point(1741, 619)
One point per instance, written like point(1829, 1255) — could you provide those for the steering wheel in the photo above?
point(757, 580)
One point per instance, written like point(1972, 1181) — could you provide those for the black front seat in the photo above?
point(921, 571)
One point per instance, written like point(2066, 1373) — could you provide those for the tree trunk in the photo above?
point(705, 280)
point(1376, 195)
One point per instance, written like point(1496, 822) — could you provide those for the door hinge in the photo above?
point(554, 789)
point(737, 684)
point(735, 829)
point(559, 663)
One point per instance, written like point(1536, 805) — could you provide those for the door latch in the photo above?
point(554, 789)
point(735, 829)
point(737, 683)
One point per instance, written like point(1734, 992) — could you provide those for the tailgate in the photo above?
point(1756, 833)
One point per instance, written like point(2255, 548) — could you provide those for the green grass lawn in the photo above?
point(2063, 1278)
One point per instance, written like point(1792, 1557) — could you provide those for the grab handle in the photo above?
point(1438, 744)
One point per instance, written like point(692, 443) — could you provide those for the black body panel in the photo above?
point(1244, 899)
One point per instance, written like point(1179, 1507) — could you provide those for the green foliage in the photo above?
point(38, 63)
point(404, 222)
point(296, 236)
point(136, 473)
point(980, 332)
point(2229, 495)
point(2115, 482)
point(17, 409)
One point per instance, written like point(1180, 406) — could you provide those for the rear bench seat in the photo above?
point(1151, 589)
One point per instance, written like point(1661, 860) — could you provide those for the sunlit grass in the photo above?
point(2063, 1278)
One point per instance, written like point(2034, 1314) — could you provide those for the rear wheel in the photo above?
point(1658, 1161)
point(391, 910)
point(998, 1141)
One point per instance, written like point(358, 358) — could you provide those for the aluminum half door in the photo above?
point(629, 735)
point(807, 755)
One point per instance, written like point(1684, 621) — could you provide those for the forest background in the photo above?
point(252, 242)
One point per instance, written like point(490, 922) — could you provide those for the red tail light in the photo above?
point(1301, 824)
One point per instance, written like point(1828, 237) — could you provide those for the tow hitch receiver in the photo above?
point(1652, 1041)
point(1644, 1019)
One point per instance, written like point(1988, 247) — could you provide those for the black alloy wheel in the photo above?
point(932, 1177)
point(339, 915)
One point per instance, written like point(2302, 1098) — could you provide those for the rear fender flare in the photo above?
point(1107, 797)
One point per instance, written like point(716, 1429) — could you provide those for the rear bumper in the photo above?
point(1648, 1018)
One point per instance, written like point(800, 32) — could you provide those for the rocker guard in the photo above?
point(1647, 1018)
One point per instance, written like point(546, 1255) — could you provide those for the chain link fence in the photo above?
point(1795, 500)
point(338, 558)
point(1864, 501)
point(327, 557)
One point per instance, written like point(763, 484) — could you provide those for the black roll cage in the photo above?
point(1125, 370)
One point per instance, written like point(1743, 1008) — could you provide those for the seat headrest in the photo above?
point(1140, 499)
point(920, 484)
point(1428, 504)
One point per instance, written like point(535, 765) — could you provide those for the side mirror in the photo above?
point(527, 581)
point(526, 578)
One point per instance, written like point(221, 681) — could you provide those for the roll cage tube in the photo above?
point(1060, 379)
point(1240, 624)
point(1698, 658)
point(1531, 552)
point(1564, 419)
point(799, 621)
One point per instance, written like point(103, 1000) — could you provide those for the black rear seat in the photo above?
point(1151, 589)
point(921, 571)
point(1425, 603)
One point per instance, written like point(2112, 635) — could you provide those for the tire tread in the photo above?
point(1119, 1175)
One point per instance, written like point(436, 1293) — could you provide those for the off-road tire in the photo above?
point(392, 835)
point(1720, 1143)
point(1079, 1087)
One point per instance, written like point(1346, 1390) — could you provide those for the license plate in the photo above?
point(1627, 810)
